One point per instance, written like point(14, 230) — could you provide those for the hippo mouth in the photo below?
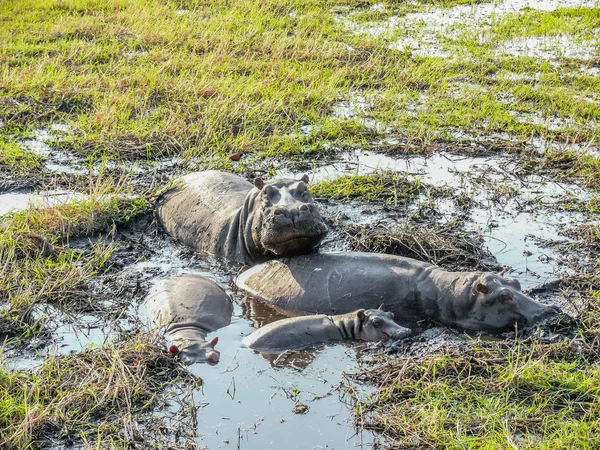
point(294, 245)
point(300, 242)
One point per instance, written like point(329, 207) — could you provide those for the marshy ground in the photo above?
point(459, 132)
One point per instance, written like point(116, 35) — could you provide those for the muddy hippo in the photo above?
point(190, 306)
point(334, 283)
point(302, 332)
point(225, 216)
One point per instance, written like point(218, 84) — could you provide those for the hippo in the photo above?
point(340, 282)
point(225, 216)
point(303, 332)
point(190, 306)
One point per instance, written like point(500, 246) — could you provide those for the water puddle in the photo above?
point(46, 199)
point(248, 399)
point(517, 214)
point(57, 161)
point(549, 47)
point(424, 33)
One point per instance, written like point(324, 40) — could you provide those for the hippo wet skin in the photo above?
point(189, 307)
point(335, 283)
point(225, 216)
point(307, 331)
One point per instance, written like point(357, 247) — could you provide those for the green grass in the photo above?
point(388, 187)
point(15, 157)
point(38, 266)
point(101, 396)
point(573, 21)
point(528, 396)
point(140, 79)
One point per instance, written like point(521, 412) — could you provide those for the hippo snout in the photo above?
point(292, 214)
point(547, 312)
point(400, 334)
point(212, 357)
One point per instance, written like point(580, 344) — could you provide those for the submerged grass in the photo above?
point(101, 396)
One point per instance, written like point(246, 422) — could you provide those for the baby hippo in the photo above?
point(189, 307)
point(306, 331)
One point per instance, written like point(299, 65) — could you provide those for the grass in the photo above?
point(524, 395)
point(388, 187)
point(101, 396)
point(573, 163)
point(38, 266)
point(15, 157)
point(141, 79)
point(443, 246)
point(199, 80)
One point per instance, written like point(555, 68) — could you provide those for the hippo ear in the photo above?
point(305, 178)
point(360, 314)
point(259, 183)
point(501, 274)
point(482, 288)
point(382, 307)
point(214, 342)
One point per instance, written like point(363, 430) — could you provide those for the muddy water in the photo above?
point(424, 33)
point(248, 398)
point(513, 212)
point(19, 201)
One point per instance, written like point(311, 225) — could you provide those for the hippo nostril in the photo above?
point(277, 212)
point(213, 357)
point(304, 208)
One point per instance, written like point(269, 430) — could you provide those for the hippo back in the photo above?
point(333, 283)
point(189, 301)
point(198, 211)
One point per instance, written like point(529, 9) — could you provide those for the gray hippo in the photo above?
point(335, 283)
point(190, 307)
point(303, 332)
point(225, 216)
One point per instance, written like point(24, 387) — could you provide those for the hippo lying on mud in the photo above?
point(223, 215)
point(302, 332)
point(334, 283)
point(190, 307)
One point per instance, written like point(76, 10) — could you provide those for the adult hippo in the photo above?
point(334, 283)
point(189, 307)
point(225, 216)
point(307, 331)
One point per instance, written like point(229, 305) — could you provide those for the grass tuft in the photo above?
point(101, 396)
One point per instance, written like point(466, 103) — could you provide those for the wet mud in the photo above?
point(497, 215)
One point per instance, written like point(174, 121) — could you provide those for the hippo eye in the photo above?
point(506, 295)
point(272, 194)
point(377, 322)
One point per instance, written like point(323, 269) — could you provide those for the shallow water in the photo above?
point(18, 201)
point(511, 212)
point(423, 33)
point(248, 401)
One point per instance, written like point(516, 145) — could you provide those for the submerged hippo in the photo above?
point(190, 307)
point(302, 332)
point(334, 283)
point(223, 215)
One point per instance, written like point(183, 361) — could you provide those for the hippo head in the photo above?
point(290, 223)
point(197, 351)
point(379, 325)
point(497, 303)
